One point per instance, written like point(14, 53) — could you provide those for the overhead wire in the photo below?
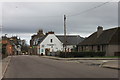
point(85, 11)
point(90, 9)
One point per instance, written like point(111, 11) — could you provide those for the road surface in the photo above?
point(26, 66)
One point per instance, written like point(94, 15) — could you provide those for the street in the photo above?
point(26, 66)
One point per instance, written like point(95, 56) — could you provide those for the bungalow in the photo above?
point(52, 43)
point(71, 41)
point(102, 40)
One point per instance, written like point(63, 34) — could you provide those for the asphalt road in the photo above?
point(37, 67)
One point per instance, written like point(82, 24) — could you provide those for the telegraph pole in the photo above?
point(65, 34)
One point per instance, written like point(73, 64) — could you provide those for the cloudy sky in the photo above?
point(25, 18)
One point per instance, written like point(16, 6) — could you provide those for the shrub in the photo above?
point(4, 53)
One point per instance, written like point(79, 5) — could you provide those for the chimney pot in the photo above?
point(99, 30)
point(50, 32)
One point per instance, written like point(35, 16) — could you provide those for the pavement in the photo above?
point(4, 65)
point(0, 67)
point(113, 63)
point(26, 66)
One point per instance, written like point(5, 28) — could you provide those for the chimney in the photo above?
point(40, 32)
point(99, 30)
point(50, 32)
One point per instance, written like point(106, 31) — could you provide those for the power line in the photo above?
point(85, 11)
point(89, 9)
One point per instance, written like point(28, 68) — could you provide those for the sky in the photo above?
point(23, 19)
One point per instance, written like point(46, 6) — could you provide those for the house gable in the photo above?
point(51, 42)
point(50, 36)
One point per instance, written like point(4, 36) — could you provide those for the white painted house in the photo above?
point(52, 43)
point(49, 43)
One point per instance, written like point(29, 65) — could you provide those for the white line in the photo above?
point(6, 68)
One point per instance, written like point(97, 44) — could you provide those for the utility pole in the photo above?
point(65, 34)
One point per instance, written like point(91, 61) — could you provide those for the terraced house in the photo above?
point(34, 41)
point(103, 41)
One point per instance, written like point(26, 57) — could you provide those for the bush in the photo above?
point(81, 54)
point(4, 53)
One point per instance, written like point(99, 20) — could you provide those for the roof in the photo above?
point(109, 36)
point(71, 39)
point(41, 39)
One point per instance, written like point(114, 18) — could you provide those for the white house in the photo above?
point(52, 43)
point(49, 43)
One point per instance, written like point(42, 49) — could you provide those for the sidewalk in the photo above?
point(4, 64)
point(113, 63)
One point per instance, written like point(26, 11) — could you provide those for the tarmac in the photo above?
point(4, 63)
point(113, 63)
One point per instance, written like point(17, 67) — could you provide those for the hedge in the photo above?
point(82, 54)
point(4, 53)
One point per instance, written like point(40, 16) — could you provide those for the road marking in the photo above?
point(72, 61)
point(6, 68)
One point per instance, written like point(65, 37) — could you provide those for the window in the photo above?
point(92, 47)
point(51, 40)
point(82, 48)
point(42, 45)
point(42, 50)
point(98, 48)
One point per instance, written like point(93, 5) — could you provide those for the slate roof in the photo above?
point(109, 36)
point(41, 39)
point(71, 39)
